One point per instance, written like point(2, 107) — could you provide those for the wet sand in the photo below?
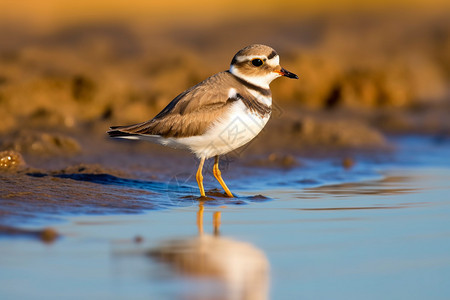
point(376, 230)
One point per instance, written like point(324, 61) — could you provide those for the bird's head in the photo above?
point(259, 65)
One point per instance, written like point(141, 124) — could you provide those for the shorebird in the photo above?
point(218, 115)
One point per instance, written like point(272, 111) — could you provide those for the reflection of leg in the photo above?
point(199, 177)
point(216, 222)
point(218, 176)
point(200, 219)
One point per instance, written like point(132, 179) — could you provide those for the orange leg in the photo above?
point(200, 218)
point(218, 176)
point(216, 222)
point(199, 177)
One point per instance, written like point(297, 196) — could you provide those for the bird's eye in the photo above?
point(257, 62)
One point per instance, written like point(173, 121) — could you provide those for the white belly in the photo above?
point(233, 130)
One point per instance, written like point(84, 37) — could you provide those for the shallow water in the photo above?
point(378, 230)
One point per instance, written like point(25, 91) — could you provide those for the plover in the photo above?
point(218, 115)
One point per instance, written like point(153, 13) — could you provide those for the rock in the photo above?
point(11, 160)
point(48, 235)
point(348, 163)
point(42, 143)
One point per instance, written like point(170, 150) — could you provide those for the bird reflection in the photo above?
point(216, 220)
point(240, 269)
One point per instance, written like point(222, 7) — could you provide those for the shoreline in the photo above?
point(91, 190)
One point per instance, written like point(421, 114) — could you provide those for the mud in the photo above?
point(113, 72)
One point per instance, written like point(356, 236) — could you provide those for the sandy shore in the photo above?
point(363, 77)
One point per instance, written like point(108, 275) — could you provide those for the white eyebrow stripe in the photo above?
point(251, 57)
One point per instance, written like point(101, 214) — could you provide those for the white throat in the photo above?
point(261, 81)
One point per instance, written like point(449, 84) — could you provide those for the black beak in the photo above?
point(288, 74)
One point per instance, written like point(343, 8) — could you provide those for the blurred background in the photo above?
point(366, 68)
point(348, 224)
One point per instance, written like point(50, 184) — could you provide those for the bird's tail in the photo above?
point(121, 132)
point(125, 132)
point(132, 132)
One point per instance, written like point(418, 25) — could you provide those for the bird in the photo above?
point(219, 114)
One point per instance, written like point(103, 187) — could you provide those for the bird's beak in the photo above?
point(286, 73)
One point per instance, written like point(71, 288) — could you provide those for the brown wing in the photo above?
point(192, 112)
point(189, 114)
